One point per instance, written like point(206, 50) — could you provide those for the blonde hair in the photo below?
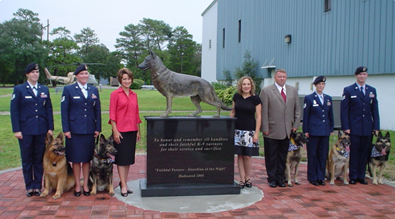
point(240, 85)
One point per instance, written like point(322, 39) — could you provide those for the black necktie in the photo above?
point(362, 91)
point(35, 91)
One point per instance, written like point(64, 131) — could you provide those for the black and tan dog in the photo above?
point(338, 159)
point(171, 84)
point(58, 173)
point(379, 157)
point(298, 140)
point(101, 171)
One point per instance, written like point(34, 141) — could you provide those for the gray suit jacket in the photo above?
point(278, 117)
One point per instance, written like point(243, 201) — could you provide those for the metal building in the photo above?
point(307, 38)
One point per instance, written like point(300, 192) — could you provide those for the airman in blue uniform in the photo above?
point(359, 118)
point(32, 118)
point(81, 122)
point(318, 124)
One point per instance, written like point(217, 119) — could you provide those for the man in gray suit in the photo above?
point(280, 115)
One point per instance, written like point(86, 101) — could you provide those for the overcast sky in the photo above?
point(108, 18)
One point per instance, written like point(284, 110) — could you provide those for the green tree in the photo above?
point(130, 44)
point(62, 53)
point(98, 58)
point(87, 38)
point(248, 68)
point(156, 31)
point(182, 50)
point(20, 45)
point(7, 59)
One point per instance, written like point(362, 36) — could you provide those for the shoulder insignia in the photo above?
point(13, 96)
point(63, 98)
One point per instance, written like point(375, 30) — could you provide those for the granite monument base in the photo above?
point(189, 156)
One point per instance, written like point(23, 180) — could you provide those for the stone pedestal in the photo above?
point(189, 156)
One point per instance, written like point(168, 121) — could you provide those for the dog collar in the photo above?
point(342, 152)
point(293, 141)
point(108, 160)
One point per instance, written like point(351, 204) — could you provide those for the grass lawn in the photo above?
point(149, 100)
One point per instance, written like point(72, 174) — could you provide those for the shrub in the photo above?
point(137, 83)
point(226, 95)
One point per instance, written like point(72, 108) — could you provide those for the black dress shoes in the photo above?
point(321, 182)
point(77, 194)
point(314, 183)
point(86, 193)
point(353, 182)
point(363, 181)
point(281, 183)
point(37, 193)
point(29, 194)
point(273, 184)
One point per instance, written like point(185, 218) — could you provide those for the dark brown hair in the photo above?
point(123, 71)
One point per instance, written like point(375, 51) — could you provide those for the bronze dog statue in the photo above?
point(171, 84)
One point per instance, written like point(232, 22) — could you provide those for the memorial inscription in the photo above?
point(190, 151)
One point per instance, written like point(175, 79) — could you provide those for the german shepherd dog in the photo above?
point(57, 171)
point(101, 172)
point(293, 157)
point(379, 156)
point(171, 84)
point(338, 159)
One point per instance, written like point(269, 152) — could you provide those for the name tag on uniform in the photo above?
point(28, 97)
point(353, 96)
point(76, 97)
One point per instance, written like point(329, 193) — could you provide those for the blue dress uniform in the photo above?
point(82, 117)
point(359, 113)
point(318, 122)
point(33, 116)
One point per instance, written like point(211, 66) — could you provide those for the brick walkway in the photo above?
point(303, 201)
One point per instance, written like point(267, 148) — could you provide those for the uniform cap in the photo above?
point(30, 67)
point(360, 69)
point(80, 68)
point(319, 79)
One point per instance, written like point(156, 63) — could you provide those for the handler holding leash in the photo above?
point(32, 118)
point(318, 124)
point(81, 121)
point(359, 118)
point(125, 122)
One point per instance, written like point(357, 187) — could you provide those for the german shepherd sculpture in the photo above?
point(294, 156)
point(101, 172)
point(171, 84)
point(338, 159)
point(379, 157)
point(58, 173)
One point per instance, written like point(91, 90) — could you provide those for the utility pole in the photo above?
point(45, 27)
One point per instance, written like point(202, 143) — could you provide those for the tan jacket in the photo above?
point(278, 118)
